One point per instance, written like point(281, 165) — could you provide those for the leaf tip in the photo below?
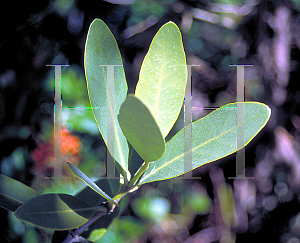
point(70, 165)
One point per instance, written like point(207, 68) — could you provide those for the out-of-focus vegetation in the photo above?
point(215, 34)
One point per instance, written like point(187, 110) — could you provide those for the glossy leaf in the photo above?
point(90, 183)
point(213, 137)
point(14, 193)
point(163, 75)
point(56, 211)
point(91, 196)
point(107, 88)
point(141, 129)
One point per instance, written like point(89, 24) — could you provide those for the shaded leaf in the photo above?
point(90, 183)
point(91, 196)
point(141, 129)
point(14, 193)
point(106, 92)
point(56, 211)
point(163, 76)
point(115, 186)
point(213, 137)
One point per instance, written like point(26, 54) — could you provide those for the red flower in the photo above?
point(43, 155)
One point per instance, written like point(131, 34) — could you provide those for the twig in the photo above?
point(74, 234)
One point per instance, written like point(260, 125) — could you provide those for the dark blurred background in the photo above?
point(215, 34)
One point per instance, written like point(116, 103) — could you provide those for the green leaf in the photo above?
point(107, 88)
point(56, 211)
point(90, 183)
point(163, 76)
point(97, 234)
point(115, 186)
point(141, 129)
point(91, 196)
point(111, 235)
point(14, 193)
point(213, 137)
point(124, 229)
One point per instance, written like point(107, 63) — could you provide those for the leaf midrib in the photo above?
point(110, 107)
point(67, 211)
point(160, 76)
point(153, 171)
point(14, 199)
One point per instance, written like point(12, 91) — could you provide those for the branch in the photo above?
point(73, 235)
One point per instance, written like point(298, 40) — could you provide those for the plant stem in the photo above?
point(73, 235)
point(138, 174)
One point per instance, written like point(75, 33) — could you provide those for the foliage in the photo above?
point(101, 49)
point(138, 125)
point(56, 211)
point(14, 193)
point(143, 119)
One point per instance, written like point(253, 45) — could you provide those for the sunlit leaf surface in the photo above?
point(213, 137)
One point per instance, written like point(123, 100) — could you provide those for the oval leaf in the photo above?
point(90, 183)
point(141, 129)
point(14, 193)
point(163, 76)
point(56, 211)
point(213, 137)
point(107, 88)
